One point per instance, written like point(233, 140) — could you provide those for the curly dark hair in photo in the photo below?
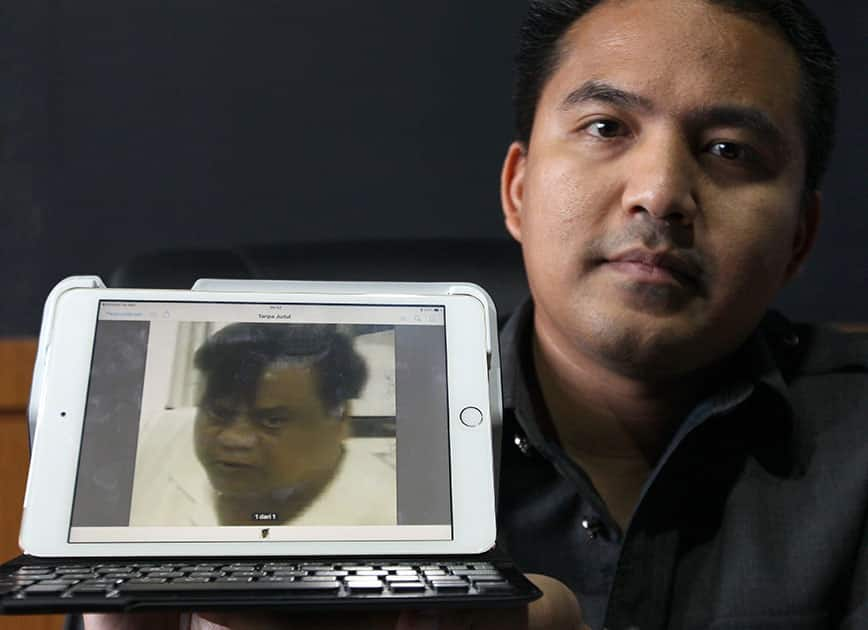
point(234, 358)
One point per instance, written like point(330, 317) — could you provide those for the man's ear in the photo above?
point(806, 232)
point(512, 187)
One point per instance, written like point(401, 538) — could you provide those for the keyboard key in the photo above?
point(37, 577)
point(22, 582)
point(45, 589)
point(313, 586)
point(362, 578)
point(200, 568)
point(449, 586)
point(365, 587)
point(406, 587)
point(69, 570)
point(101, 583)
point(493, 587)
point(276, 566)
point(90, 589)
point(332, 573)
point(147, 580)
point(78, 576)
point(372, 572)
point(161, 568)
point(401, 578)
point(476, 572)
point(250, 587)
point(34, 569)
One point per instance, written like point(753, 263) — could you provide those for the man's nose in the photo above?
point(661, 180)
point(240, 433)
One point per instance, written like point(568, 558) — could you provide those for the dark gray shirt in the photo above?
point(754, 517)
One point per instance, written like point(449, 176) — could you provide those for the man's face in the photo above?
point(659, 203)
point(286, 438)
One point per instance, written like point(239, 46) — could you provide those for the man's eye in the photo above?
point(605, 128)
point(220, 414)
point(729, 150)
point(273, 422)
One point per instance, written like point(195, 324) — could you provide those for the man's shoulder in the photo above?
point(826, 349)
point(825, 370)
point(809, 354)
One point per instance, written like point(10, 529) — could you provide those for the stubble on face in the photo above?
point(648, 251)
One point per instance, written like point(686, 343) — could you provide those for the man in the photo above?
point(673, 456)
point(270, 442)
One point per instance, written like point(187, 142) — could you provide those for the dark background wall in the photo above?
point(129, 126)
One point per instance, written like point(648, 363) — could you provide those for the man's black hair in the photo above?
point(234, 358)
point(547, 21)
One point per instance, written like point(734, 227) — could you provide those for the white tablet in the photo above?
point(330, 419)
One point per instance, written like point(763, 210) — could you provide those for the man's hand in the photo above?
point(557, 609)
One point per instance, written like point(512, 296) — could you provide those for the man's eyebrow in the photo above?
point(600, 91)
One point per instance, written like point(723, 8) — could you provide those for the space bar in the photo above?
point(204, 587)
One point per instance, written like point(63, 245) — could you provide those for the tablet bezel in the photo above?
point(51, 482)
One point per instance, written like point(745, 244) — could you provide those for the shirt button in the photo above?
point(521, 442)
point(592, 526)
point(791, 339)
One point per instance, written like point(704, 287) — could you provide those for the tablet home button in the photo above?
point(471, 416)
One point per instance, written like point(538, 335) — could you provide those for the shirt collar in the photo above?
point(756, 376)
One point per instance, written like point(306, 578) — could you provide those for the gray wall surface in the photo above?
point(132, 125)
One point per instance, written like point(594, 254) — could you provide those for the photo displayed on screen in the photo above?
point(287, 424)
point(209, 421)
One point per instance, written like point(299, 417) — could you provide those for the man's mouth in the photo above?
point(656, 267)
point(232, 465)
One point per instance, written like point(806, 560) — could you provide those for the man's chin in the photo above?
point(644, 345)
point(236, 488)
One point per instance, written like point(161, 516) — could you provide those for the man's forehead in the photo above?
point(287, 383)
point(677, 53)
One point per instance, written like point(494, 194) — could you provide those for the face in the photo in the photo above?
point(284, 440)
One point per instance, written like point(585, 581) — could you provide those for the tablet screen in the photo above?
point(308, 422)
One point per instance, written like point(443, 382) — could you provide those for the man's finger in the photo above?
point(294, 621)
point(557, 609)
point(137, 621)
